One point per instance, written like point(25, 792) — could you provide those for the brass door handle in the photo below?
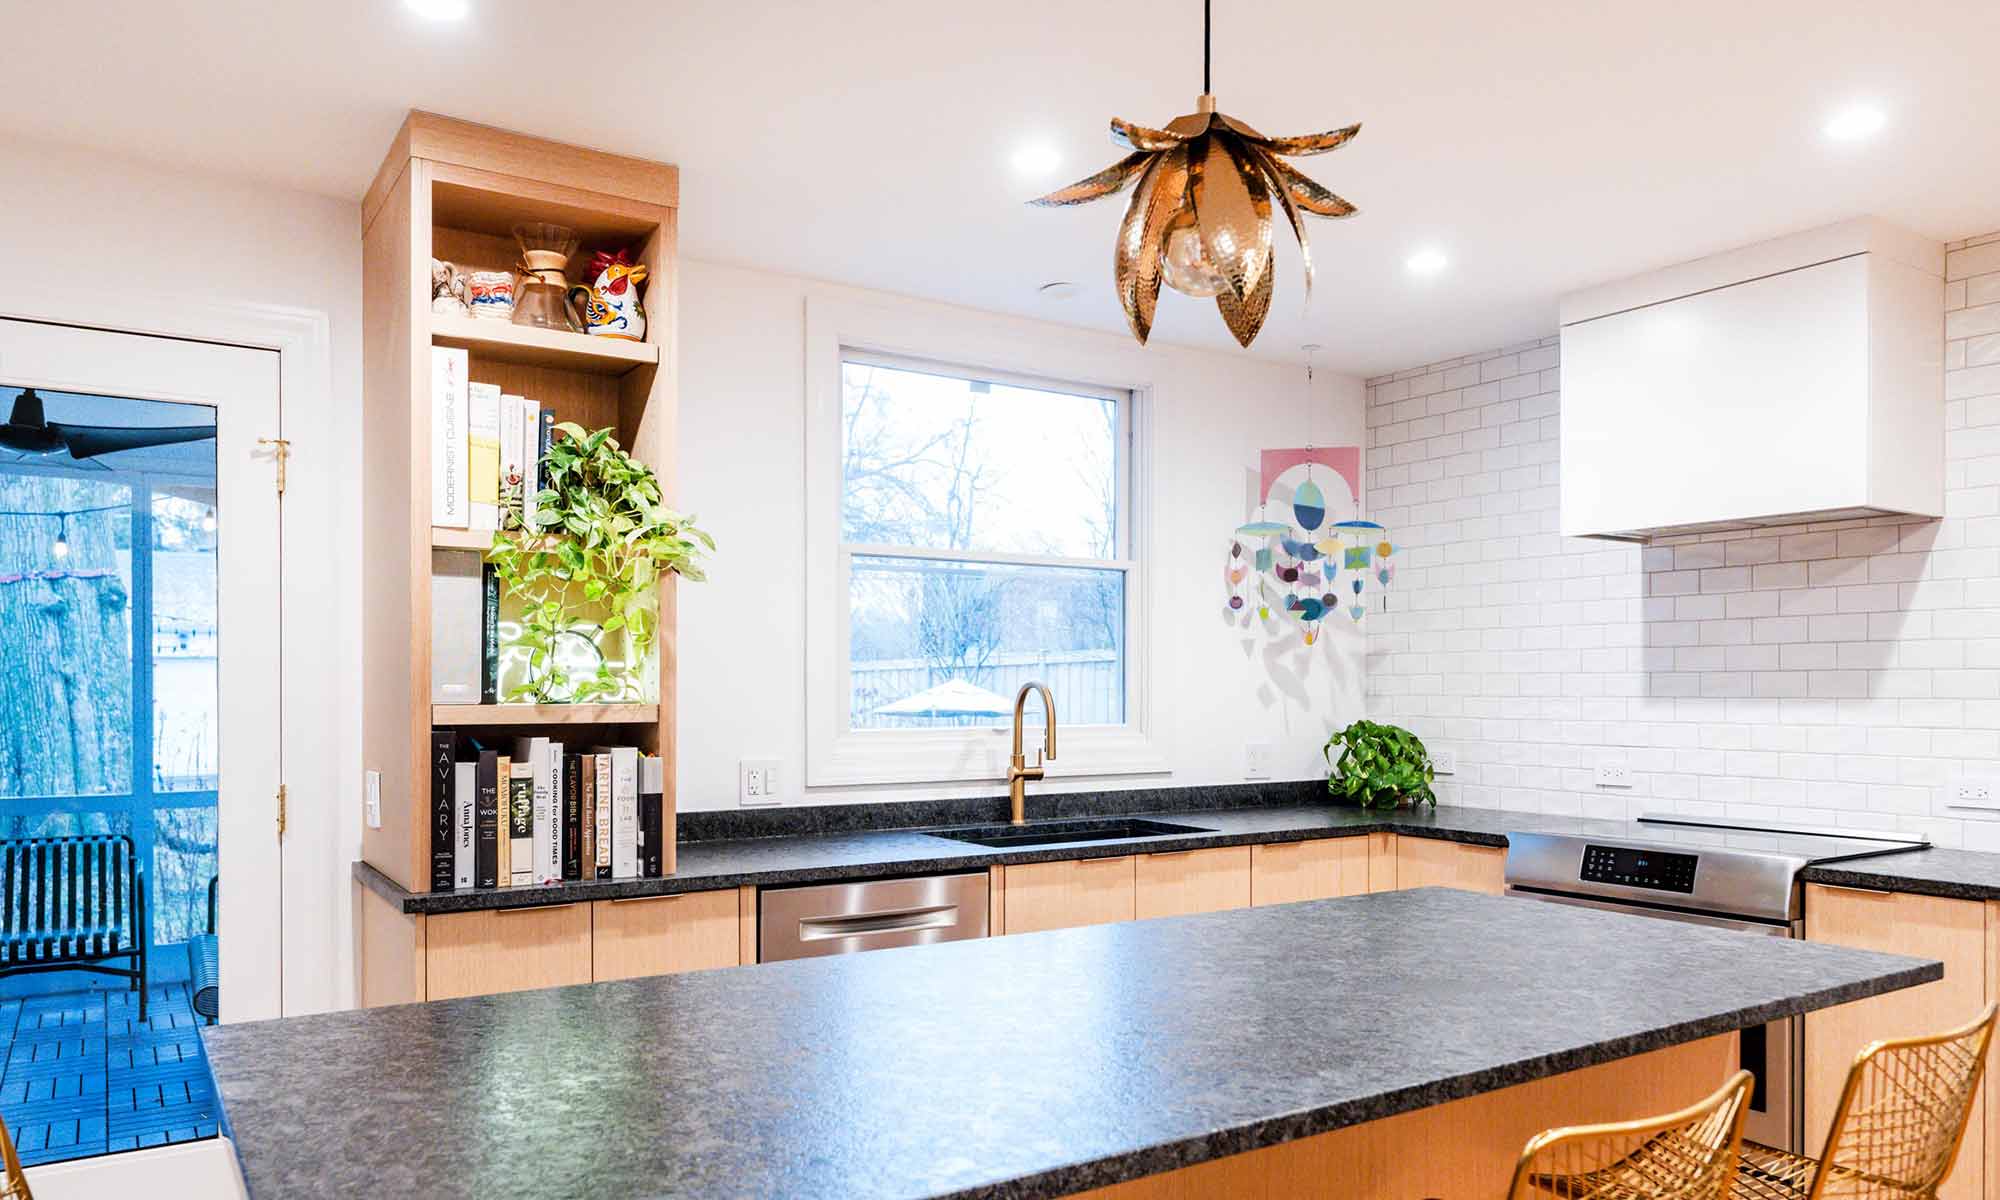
point(282, 451)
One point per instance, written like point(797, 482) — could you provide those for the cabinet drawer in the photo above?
point(659, 935)
point(506, 950)
point(1193, 881)
point(1285, 872)
point(1058, 895)
point(1428, 862)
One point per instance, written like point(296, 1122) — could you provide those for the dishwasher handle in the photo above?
point(846, 918)
point(816, 929)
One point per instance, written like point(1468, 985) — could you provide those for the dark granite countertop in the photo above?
point(862, 853)
point(1024, 1066)
point(827, 844)
point(1955, 874)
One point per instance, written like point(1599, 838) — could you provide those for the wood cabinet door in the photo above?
point(1284, 872)
point(1178, 882)
point(1951, 931)
point(506, 950)
point(1990, 1109)
point(1382, 862)
point(1430, 862)
point(659, 935)
point(1058, 895)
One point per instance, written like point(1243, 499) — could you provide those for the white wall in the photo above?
point(1845, 673)
point(149, 238)
point(742, 637)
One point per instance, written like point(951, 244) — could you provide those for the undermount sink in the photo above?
point(1057, 833)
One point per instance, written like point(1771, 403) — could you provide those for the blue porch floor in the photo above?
point(84, 1077)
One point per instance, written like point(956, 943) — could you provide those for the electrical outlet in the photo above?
point(1616, 775)
point(372, 797)
point(1444, 762)
point(757, 783)
point(1973, 793)
point(1257, 758)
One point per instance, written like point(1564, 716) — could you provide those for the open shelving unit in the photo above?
point(453, 190)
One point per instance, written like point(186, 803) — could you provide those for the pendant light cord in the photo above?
point(1205, 87)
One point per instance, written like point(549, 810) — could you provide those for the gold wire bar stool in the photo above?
point(1897, 1131)
point(14, 1186)
point(1685, 1155)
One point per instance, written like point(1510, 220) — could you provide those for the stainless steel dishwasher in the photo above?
point(847, 918)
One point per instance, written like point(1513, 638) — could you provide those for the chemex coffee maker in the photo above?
point(542, 299)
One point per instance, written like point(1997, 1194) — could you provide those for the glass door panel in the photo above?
point(108, 769)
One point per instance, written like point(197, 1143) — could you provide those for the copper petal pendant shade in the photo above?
point(1200, 218)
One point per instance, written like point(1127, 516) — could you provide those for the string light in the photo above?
point(59, 549)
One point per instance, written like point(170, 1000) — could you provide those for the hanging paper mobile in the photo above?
point(1305, 568)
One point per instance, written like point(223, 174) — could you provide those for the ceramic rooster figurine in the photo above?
point(611, 307)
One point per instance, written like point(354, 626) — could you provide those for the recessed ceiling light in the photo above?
point(1036, 158)
point(1061, 289)
point(440, 10)
point(1428, 261)
point(1855, 122)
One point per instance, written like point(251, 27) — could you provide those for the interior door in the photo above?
point(237, 389)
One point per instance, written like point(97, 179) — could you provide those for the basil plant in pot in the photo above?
point(587, 578)
point(1379, 766)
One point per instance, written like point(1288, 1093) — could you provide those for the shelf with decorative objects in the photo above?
point(526, 345)
point(463, 218)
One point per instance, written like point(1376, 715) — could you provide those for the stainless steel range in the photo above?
point(1724, 875)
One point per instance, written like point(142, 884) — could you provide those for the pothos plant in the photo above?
point(605, 537)
point(1380, 766)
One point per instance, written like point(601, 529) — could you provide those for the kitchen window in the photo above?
point(982, 528)
point(979, 529)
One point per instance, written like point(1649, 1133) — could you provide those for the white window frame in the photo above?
point(841, 328)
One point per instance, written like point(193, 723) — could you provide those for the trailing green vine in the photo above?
point(605, 538)
point(1380, 766)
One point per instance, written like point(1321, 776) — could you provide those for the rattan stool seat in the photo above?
point(1686, 1155)
point(1897, 1130)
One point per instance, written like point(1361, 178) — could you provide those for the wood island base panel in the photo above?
point(1460, 1150)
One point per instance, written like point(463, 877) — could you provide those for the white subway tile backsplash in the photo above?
point(1845, 672)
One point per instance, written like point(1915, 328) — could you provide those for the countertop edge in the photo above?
point(1838, 875)
point(1291, 1127)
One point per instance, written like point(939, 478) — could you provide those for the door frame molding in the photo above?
point(317, 972)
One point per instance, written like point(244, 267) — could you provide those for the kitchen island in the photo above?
point(1399, 1044)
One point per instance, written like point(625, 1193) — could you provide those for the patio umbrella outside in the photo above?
point(952, 698)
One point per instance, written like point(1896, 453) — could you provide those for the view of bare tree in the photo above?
point(940, 464)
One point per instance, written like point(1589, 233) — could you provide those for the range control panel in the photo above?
point(1655, 869)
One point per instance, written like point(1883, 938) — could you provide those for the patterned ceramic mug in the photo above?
point(491, 294)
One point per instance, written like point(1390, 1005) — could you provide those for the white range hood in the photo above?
point(1796, 380)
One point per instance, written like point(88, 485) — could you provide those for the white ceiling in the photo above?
point(1543, 145)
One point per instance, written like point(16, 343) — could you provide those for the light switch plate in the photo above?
point(757, 783)
point(1257, 758)
point(1614, 775)
point(371, 793)
point(1444, 762)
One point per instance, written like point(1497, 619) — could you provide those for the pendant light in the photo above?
point(1200, 218)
